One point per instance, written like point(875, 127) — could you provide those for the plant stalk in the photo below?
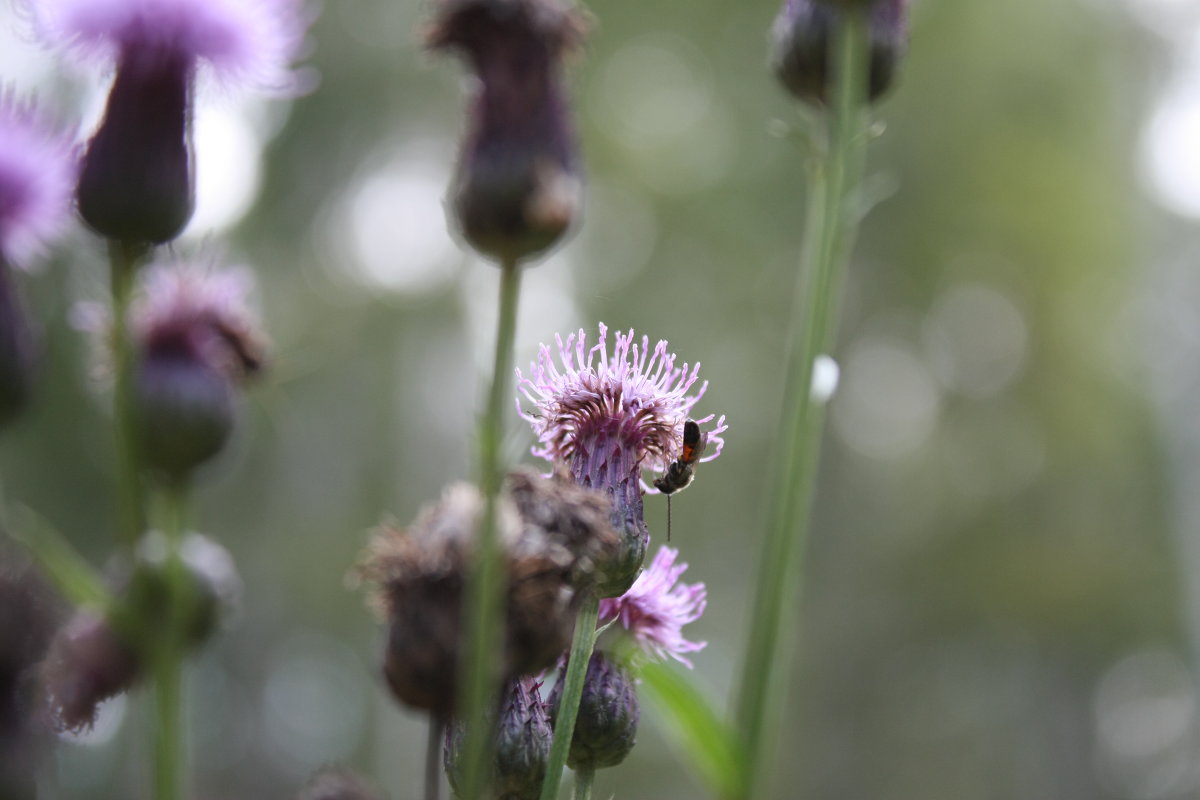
point(484, 593)
point(124, 260)
point(170, 767)
point(584, 778)
point(832, 218)
point(568, 704)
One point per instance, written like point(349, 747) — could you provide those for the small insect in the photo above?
point(682, 470)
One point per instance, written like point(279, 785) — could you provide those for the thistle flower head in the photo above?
point(636, 398)
point(609, 713)
point(196, 341)
point(37, 180)
point(242, 43)
point(655, 609)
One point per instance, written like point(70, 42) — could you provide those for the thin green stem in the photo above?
point(170, 758)
point(832, 220)
point(568, 704)
point(584, 778)
point(131, 505)
point(484, 595)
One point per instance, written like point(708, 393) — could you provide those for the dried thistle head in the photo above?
point(419, 574)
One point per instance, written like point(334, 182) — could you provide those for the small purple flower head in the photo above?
point(609, 417)
point(196, 342)
point(518, 187)
point(803, 32)
point(242, 43)
point(136, 185)
point(655, 609)
point(37, 177)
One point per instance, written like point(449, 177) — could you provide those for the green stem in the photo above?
point(484, 595)
point(568, 704)
point(832, 220)
point(131, 506)
point(169, 745)
point(584, 778)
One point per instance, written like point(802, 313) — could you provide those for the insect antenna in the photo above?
point(668, 518)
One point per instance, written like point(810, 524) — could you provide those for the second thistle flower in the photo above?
point(518, 186)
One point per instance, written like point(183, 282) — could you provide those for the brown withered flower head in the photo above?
point(550, 532)
point(518, 186)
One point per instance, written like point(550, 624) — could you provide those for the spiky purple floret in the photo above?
point(204, 307)
point(637, 398)
point(656, 608)
point(38, 168)
point(243, 43)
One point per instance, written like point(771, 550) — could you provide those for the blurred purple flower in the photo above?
point(37, 179)
point(656, 608)
point(243, 43)
point(196, 342)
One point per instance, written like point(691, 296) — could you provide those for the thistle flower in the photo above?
point(419, 574)
point(137, 179)
point(609, 712)
point(523, 739)
point(518, 186)
point(37, 177)
point(608, 418)
point(655, 609)
point(803, 31)
point(196, 343)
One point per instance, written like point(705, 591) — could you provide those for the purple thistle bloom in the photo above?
point(608, 418)
point(37, 179)
point(196, 341)
point(242, 43)
point(656, 608)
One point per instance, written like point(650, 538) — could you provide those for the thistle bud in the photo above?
point(137, 184)
point(96, 657)
point(17, 350)
point(606, 727)
point(196, 343)
point(801, 40)
point(518, 186)
point(523, 739)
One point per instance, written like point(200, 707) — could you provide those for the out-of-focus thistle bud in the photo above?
point(196, 342)
point(88, 663)
point(518, 186)
point(136, 185)
point(96, 657)
point(17, 350)
point(802, 36)
point(337, 784)
point(523, 739)
point(419, 574)
point(608, 715)
point(137, 180)
point(28, 618)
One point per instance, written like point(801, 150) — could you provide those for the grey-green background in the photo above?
point(996, 596)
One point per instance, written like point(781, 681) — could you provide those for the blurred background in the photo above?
point(1003, 591)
